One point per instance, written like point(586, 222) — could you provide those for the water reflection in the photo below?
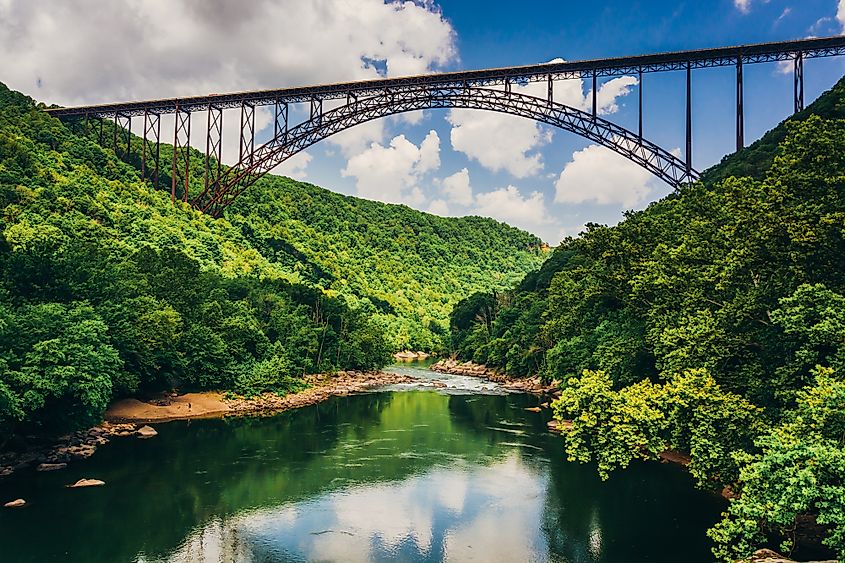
point(462, 513)
point(413, 476)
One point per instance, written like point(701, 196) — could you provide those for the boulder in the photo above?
point(146, 432)
point(87, 483)
point(769, 556)
point(15, 503)
point(51, 466)
point(533, 409)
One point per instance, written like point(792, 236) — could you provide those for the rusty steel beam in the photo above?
point(181, 166)
point(213, 146)
point(151, 147)
point(247, 144)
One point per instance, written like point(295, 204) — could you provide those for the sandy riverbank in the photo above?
point(125, 418)
point(212, 404)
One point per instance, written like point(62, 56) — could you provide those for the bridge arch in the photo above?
point(356, 111)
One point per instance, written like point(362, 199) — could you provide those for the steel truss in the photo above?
point(151, 148)
point(602, 68)
point(287, 143)
point(213, 146)
point(490, 89)
point(122, 135)
point(180, 175)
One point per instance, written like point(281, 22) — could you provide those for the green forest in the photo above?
point(712, 323)
point(108, 290)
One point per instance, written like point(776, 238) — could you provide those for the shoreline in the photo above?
point(129, 417)
point(531, 385)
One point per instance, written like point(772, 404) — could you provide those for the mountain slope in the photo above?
point(712, 322)
point(108, 289)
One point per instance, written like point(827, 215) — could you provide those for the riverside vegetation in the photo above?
point(712, 322)
point(108, 290)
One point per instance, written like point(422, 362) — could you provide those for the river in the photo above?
point(409, 473)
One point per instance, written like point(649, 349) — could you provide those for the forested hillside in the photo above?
point(107, 289)
point(713, 322)
point(408, 268)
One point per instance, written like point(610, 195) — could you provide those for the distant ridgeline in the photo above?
point(106, 287)
point(712, 322)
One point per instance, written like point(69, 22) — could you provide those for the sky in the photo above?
point(448, 162)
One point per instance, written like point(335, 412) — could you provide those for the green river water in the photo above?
point(408, 473)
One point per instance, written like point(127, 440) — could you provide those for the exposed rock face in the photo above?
point(15, 503)
point(53, 456)
point(87, 483)
point(146, 432)
point(408, 356)
point(769, 556)
point(321, 388)
point(527, 385)
point(50, 466)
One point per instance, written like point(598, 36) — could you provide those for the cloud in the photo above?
point(193, 47)
point(597, 174)
point(439, 207)
point(295, 167)
point(498, 141)
point(184, 47)
point(457, 189)
point(840, 15)
point(509, 205)
point(392, 173)
point(743, 6)
point(505, 142)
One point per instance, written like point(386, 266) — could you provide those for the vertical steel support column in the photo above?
point(740, 106)
point(689, 118)
point(550, 96)
point(640, 113)
point(798, 71)
point(151, 147)
point(114, 134)
point(100, 138)
point(508, 86)
point(317, 109)
point(595, 108)
point(247, 146)
point(280, 121)
point(213, 146)
point(180, 174)
point(123, 123)
point(87, 127)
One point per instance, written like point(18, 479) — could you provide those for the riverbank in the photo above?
point(532, 385)
point(127, 417)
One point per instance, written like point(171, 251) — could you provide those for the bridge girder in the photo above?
point(289, 142)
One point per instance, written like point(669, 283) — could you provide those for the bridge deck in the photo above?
point(694, 59)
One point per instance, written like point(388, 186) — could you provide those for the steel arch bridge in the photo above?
point(490, 90)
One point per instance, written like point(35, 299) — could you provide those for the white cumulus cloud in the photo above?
point(498, 141)
point(597, 174)
point(457, 189)
point(743, 6)
point(505, 142)
point(392, 173)
point(840, 14)
point(509, 205)
point(74, 52)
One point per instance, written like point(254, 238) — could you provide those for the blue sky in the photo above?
point(547, 181)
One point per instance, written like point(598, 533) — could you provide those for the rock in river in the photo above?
point(15, 503)
point(87, 483)
point(146, 432)
point(51, 466)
